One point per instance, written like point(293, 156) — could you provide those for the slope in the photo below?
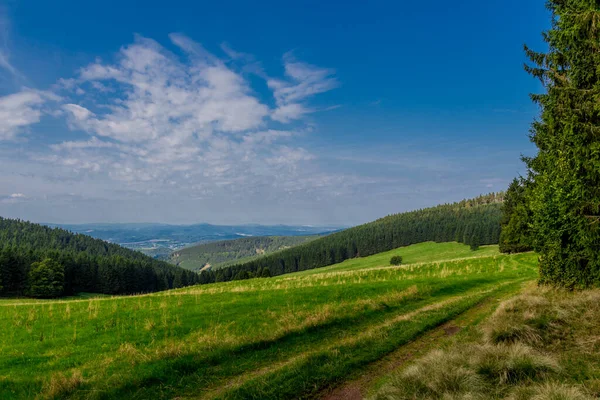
point(474, 222)
point(286, 337)
point(227, 252)
point(90, 265)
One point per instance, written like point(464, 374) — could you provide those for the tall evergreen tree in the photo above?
point(516, 235)
point(565, 199)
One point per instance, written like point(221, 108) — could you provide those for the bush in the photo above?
point(396, 260)
point(265, 273)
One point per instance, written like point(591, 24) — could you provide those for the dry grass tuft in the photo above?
point(131, 353)
point(468, 372)
point(525, 319)
point(549, 391)
point(511, 364)
point(149, 325)
point(171, 349)
point(438, 375)
point(60, 385)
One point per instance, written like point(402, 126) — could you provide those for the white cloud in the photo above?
point(4, 50)
point(304, 81)
point(158, 121)
point(13, 198)
point(167, 128)
point(166, 99)
point(79, 113)
point(19, 110)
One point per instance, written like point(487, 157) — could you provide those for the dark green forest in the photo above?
point(227, 252)
point(87, 264)
point(473, 222)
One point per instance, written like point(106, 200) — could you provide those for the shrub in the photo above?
point(396, 260)
point(265, 273)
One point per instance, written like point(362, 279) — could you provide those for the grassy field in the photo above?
point(292, 336)
point(543, 344)
point(228, 252)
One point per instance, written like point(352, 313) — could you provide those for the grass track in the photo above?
point(285, 337)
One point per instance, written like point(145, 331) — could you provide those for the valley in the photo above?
point(161, 240)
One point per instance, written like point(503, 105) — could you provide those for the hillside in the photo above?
point(285, 337)
point(223, 253)
point(90, 265)
point(473, 222)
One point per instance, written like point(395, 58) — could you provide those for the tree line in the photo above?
point(555, 208)
point(473, 222)
point(82, 263)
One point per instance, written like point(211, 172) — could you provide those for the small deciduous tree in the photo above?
point(46, 279)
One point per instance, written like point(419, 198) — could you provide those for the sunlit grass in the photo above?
point(260, 337)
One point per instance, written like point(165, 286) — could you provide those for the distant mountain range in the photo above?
point(160, 240)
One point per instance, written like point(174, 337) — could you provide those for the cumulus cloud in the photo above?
point(154, 120)
point(19, 110)
point(167, 127)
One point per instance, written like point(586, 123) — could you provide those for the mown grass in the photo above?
point(284, 337)
point(543, 344)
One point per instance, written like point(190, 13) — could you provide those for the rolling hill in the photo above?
point(90, 265)
point(473, 222)
point(285, 337)
point(223, 253)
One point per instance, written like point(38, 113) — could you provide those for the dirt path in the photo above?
point(358, 388)
point(240, 380)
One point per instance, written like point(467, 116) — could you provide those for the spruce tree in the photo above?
point(516, 235)
point(565, 200)
point(46, 279)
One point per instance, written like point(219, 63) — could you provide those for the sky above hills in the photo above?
point(308, 112)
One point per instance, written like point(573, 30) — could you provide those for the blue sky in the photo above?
point(305, 112)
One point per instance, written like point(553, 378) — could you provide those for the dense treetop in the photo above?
point(90, 265)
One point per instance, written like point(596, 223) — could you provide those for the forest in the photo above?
point(39, 261)
point(227, 252)
point(473, 222)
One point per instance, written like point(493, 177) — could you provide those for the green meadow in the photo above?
point(291, 336)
